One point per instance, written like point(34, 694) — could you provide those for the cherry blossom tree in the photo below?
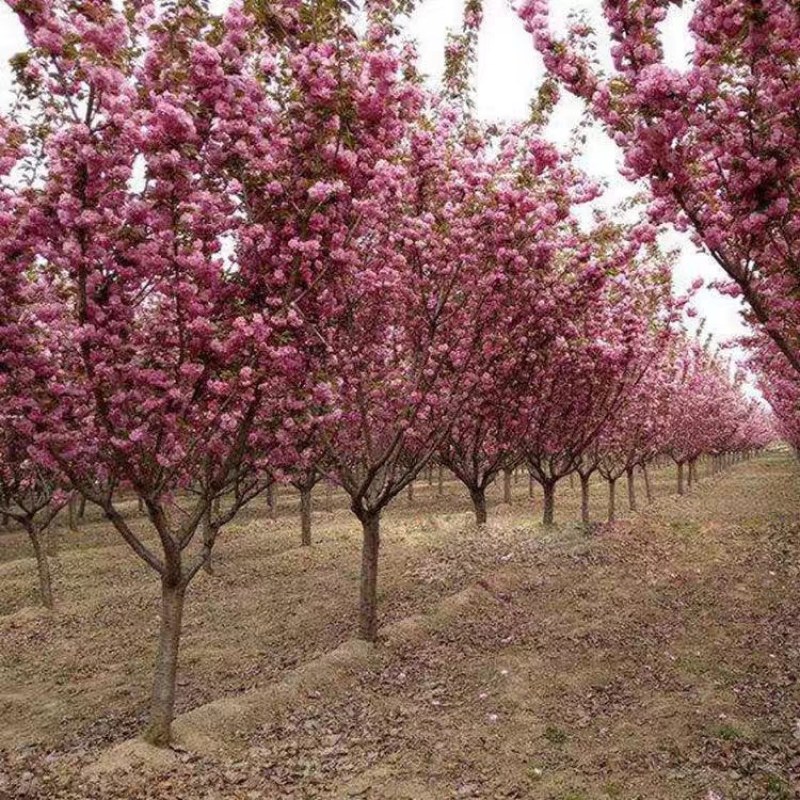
point(30, 493)
point(172, 339)
point(718, 142)
point(543, 290)
point(780, 386)
point(606, 345)
point(429, 308)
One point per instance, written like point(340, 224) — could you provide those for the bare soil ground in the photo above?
point(657, 659)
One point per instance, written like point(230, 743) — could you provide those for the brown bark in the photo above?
point(681, 489)
point(440, 488)
point(548, 512)
point(207, 540)
point(368, 610)
point(162, 703)
point(305, 517)
point(411, 493)
point(648, 489)
point(612, 500)
point(479, 505)
point(507, 485)
point(632, 504)
point(585, 517)
point(72, 514)
point(42, 566)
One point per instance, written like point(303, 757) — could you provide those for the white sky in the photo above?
point(508, 72)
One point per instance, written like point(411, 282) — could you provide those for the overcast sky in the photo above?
point(507, 76)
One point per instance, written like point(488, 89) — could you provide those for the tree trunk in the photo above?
point(51, 537)
point(81, 507)
point(162, 703)
point(585, 518)
point(531, 485)
point(440, 488)
point(479, 504)
point(690, 475)
point(548, 513)
point(42, 566)
point(71, 515)
point(648, 489)
point(368, 622)
point(632, 504)
point(305, 517)
point(612, 500)
point(681, 489)
point(271, 500)
point(411, 493)
point(507, 485)
point(207, 536)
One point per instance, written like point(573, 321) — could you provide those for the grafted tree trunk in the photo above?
point(632, 504)
point(585, 517)
point(681, 489)
point(162, 704)
point(368, 609)
point(507, 485)
point(612, 500)
point(548, 513)
point(478, 496)
point(305, 516)
point(42, 565)
point(647, 487)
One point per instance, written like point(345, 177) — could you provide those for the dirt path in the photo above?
point(658, 660)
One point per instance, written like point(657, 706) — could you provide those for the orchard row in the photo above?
point(255, 248)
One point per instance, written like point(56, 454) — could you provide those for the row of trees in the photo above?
point(249, 248)
point(718, 143)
